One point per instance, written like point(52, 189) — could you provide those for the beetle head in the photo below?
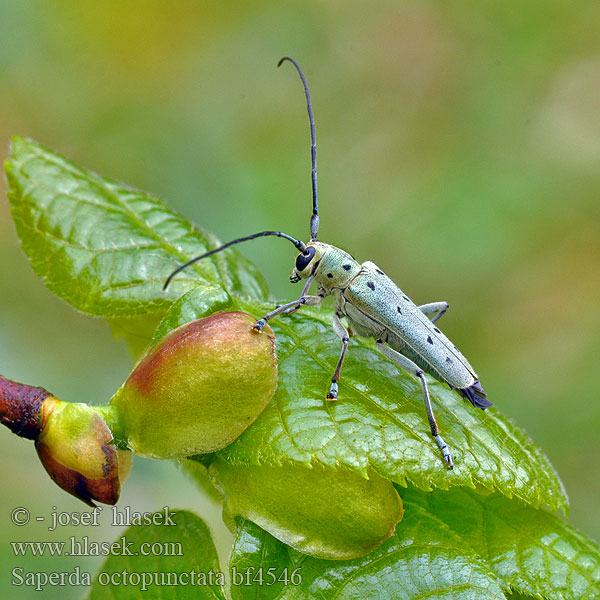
point(308, 261)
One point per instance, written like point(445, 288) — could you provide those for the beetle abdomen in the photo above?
point(476, 395)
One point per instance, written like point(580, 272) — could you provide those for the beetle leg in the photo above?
point(285, 308)
point(438, 309)
point(290, 306)
point(344, 335)
point(305, 289)
point(409, 366)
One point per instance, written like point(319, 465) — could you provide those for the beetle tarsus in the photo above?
point(444, 448)
point(259, 325)
point(333, 391)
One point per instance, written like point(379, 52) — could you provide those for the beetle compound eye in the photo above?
point(303, 259)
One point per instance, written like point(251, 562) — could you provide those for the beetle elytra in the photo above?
point(373, 306)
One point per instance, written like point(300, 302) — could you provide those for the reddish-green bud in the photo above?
point(199, 388)
point(76, 449)
point(73, 441)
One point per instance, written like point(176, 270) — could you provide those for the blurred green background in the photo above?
point(459, 149)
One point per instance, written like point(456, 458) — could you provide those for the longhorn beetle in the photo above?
point(373, 306)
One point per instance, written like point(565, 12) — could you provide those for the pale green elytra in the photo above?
point(373, 306)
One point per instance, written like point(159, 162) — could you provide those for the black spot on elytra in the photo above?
point(405, 298)
point(448, 360)
point(429, 339)
point(436, 330)
point(380, 272)
point(398, 309)
point(371, 285)
point(329, 275)
point(346, 267)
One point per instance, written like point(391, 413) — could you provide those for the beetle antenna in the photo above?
point(299, 244)
point(314, 220)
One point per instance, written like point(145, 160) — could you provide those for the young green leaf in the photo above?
point(423, 559)
point(532, 551)
point(174, 562)
point(299, 427)
point(379, 422)
point(255, 549)
point(346, 517)
point(107, 248)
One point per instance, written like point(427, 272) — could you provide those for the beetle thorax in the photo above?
point(330, 266)
point(336, 268)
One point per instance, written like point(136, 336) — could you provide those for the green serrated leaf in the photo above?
point(107, 248)
point(379, 422)
point(183, 565)
point(532, 551)
point(255, 549)
point(423, 559)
